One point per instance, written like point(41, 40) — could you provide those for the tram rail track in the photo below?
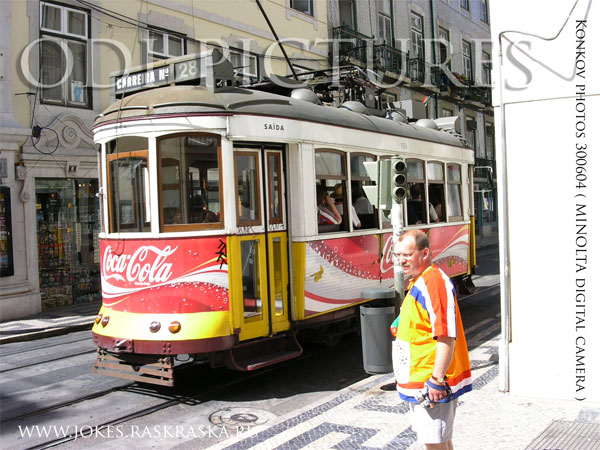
point(37, 363)
point(218, 385)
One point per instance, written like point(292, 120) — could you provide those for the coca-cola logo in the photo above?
point(387, 257)
point(147, 265)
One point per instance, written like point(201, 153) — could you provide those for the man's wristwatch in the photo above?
point(439, 380)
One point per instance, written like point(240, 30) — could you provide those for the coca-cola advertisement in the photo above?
point(358, 263)
point(165, 276)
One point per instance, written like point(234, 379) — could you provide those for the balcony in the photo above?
point(480, 96)
point(391, 59)
point(352, 44)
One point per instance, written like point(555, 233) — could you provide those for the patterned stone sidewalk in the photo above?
point(363, 416)
point(50, 323)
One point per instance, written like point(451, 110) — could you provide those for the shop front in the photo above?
point(67, 212)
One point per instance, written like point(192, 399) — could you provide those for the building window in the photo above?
point(304, 6)
point(471, 130)
point(483, 11)
point(244, 63)
point(385, 22)
point(445, 56)
point(465, 4)
point(416, 36)
point(64, 39)
point(467, 60)
point(487, 69)
point(447, 112)
point(163, 45)
point(490, 152)
point(346, 8)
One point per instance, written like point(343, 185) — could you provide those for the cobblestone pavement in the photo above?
point(363, 416)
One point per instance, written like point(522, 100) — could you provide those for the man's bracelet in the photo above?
point(437, 387)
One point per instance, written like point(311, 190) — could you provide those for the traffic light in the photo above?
point(399, 178)
point(379, 194)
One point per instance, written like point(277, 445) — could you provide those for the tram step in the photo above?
point(258, 354)
point(465, 286)
point(144, 369)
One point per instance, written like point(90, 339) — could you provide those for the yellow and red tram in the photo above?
point(210, 240)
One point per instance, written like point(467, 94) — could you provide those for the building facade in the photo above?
point(429, 57)
point(434, 57)
point(57, 57)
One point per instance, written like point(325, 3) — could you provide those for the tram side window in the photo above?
point(128, 185)
point(365, 211)
point(437, 202)
point(415, 203)
point(454, 192)
point(330, 168)
point(248, 206)
point(189, 182)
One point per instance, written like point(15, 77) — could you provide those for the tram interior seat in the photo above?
point(366, 221)
point(328, 228)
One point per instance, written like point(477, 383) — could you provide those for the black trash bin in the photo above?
point(377, 340)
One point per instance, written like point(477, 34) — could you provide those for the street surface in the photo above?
point(48, 392)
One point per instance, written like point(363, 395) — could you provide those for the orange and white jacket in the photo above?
point(429, 310)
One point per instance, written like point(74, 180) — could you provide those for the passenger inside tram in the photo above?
point(329, 218)
point(338, 196)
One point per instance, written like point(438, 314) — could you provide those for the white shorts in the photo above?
point(434, 425)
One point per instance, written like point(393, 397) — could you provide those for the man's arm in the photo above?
point(443, 357)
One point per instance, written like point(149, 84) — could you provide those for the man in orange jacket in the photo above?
point(431, 359)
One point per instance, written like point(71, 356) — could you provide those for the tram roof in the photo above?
point(195, 100)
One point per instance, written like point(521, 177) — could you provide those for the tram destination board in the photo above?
point(178, 72)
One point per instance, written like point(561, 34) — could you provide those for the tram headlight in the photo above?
point(154, 326)
point(98, 318)
point(174, 327)
point(105, 320)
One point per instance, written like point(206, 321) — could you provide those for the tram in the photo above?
point(210, 242)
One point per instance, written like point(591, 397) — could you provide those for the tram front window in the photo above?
point(189, 181)
point(129, 185)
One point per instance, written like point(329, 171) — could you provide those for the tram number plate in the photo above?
point(189, 70)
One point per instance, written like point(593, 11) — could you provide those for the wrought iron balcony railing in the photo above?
point(391, 59)
point(351, 43)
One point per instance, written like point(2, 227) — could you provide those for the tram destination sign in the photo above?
point(173, 73)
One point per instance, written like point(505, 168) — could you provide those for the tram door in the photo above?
point(260, 280)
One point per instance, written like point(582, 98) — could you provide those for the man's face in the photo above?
point(412, 260)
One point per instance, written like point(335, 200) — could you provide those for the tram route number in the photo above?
point(189, 70)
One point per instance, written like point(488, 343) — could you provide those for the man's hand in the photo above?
point(436, 395)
